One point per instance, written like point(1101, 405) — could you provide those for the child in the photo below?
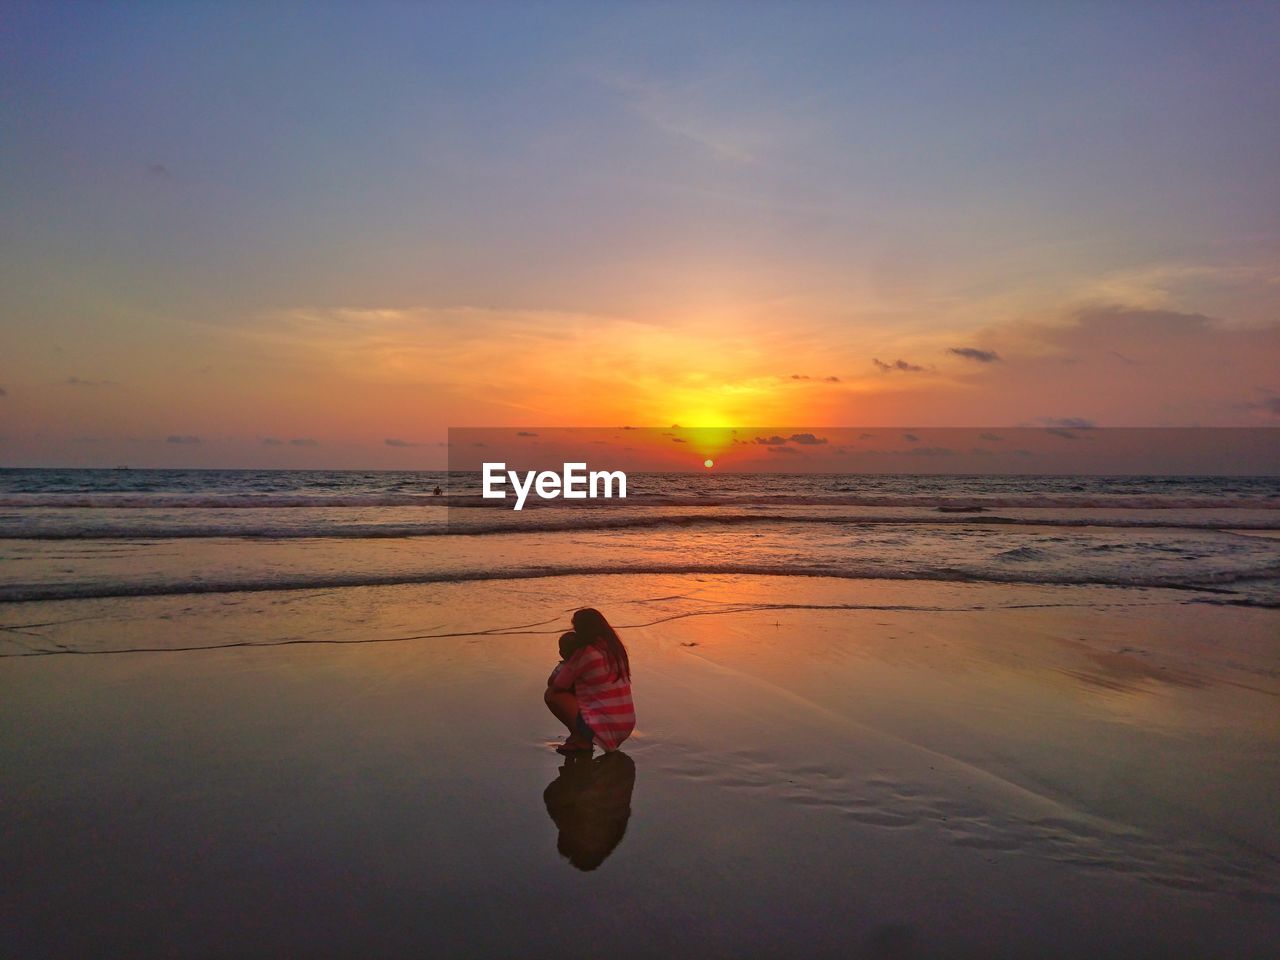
point(568, 644)
point(590, 693)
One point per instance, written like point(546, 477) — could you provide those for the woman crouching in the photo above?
point(590, 692)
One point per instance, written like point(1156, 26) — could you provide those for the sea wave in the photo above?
point(192, 501)
point(25, 529)
point(1221, 584)
point(975, 502)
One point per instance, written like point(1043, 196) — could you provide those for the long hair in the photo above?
point(593, 628)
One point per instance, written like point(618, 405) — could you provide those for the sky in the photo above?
point(321, 235)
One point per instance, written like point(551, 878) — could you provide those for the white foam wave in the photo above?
point(560, 522)
point(976, 502)
point(150, 501)
point(1220, 583)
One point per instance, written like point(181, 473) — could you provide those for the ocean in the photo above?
point(260, 713)
point(68, 534)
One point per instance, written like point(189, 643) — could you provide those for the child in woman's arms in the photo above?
point(568, 644)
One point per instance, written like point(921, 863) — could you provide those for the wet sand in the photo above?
point(821, 768)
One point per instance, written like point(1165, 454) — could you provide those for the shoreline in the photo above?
point(968, 768)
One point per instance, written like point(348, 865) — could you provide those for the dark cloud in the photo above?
point(526, 433)
point(910, 437)
point(158, 171)
point(800, 376)
point(272, 442)
point(304, 442)
point(679, 440)
point(3, 392)
point(975, 353)
point(911, 452)
point(1270, 401)
point(78, 382)
point(1269, 404)
point(831, 379)
point(993, 437)
point(182, 438)
point(805, 376)
point(807, 439)
point(898, 364)
point(1123, 359)
point(397, 442)
point(774, 441)
point(1068, 423)
point(1099, 324)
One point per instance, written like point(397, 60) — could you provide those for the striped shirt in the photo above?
point(605, 702)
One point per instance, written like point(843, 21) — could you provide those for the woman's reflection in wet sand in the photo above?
point(590, 802)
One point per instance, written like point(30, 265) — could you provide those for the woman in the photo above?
point(591, 693)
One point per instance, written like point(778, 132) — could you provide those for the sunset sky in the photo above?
point(320, 235)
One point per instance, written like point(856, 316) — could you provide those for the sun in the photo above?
point(708, 463)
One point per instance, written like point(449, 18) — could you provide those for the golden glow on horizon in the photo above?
point(709, 443)
point(701, 416)
point(354, 388)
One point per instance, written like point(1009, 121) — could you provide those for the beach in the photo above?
point(899, 380)
point(822, 767)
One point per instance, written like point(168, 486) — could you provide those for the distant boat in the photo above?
point(122, 467)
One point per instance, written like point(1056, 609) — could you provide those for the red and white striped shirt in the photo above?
point(605, 702)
